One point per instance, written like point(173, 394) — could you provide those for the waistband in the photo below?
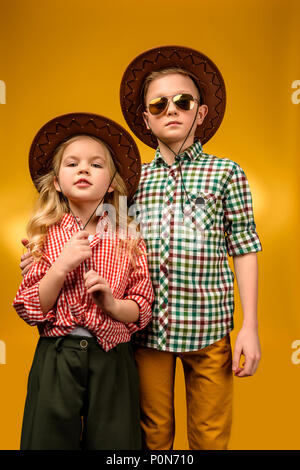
point(80, 343)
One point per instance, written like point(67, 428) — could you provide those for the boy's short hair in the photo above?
point(167, 71)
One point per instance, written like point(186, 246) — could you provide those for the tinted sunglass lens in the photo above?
point(157, 105)
point(184, 101)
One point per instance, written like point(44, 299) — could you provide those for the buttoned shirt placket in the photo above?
point(163, 293)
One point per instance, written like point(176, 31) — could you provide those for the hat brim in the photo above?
point(123, 148)
point(205, 74)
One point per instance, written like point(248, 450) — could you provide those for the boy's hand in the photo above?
point(247, 344)
point(100, 292)
point(74, 252)
point(26, 259)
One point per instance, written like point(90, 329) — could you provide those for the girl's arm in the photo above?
point(27, 302)
point(41, 286)
point(50, 286)
point(121, 310)
point(126, 311)
point(135, 308)
point(75, 251)
point(247, 342)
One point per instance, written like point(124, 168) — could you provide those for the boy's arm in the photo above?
point(26, 259)
point(247, 341)
point(242, 244)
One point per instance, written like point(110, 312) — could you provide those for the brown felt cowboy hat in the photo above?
point(202, 70)
point(123, 149)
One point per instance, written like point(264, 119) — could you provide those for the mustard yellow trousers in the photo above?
point(209, 383)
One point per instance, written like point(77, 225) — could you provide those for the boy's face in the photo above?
point(173, 124)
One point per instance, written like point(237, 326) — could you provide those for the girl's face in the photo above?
point(173, 124)
point(84, 174)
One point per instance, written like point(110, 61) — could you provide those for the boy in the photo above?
point(194, 208)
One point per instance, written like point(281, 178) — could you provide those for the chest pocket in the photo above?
point(202, 210)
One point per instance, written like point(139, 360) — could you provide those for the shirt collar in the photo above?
point(68, 221)
point(191, 153)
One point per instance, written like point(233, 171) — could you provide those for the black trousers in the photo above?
point(81, 397)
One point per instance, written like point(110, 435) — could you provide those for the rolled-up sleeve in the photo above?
point(27, 300)
point(240, 228)
point(139, 288)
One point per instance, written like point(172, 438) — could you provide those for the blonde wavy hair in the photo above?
point(51, 205)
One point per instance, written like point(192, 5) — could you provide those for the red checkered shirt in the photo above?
point(74, 307)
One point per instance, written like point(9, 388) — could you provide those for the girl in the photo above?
point(87, 291)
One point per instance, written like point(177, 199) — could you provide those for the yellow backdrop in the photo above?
point(58, 57)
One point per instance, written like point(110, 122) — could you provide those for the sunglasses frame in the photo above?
point(169, 97)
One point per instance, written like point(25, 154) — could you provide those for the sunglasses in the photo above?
point(183, 101)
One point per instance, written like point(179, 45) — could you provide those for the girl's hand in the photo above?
point(100, 292)
point(74, 252)
point(247, 344)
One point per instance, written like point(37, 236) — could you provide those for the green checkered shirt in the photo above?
point(190, 224)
